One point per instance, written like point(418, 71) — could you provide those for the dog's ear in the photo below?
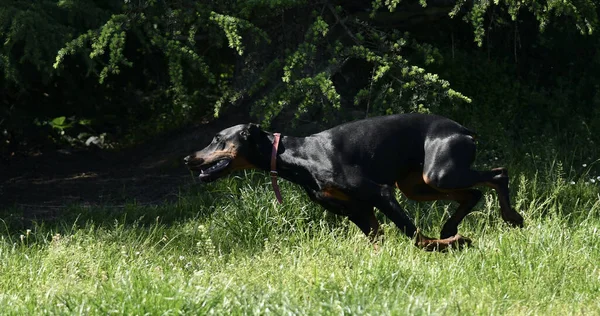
point(253, 130)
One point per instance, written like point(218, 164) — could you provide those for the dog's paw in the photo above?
point(459, 242)
point(514, 219)
point(421, 240)
point(428, 244)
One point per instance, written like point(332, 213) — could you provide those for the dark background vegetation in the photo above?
point(116, 74)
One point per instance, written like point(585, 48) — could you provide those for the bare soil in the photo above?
point(42, 184)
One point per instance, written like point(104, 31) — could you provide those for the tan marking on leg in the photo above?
point(413, 185)
point(430, 244)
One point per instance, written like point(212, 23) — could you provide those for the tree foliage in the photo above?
point(137, 67)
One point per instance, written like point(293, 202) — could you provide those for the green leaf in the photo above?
point(58, 121)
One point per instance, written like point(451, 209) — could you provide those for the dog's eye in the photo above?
point(216, 139)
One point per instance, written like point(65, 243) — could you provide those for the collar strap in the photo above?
point(274, 167)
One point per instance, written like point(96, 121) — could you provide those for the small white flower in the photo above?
point(592, 180)
point(572, 182)
point(584, 165)
point(181, 258)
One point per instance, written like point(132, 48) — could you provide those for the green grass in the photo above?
point(228, 248)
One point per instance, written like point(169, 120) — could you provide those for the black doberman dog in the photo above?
point(354, 167)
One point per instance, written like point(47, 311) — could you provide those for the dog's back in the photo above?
point(385, 143)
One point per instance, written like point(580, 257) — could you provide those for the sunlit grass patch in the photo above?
point(229, 248)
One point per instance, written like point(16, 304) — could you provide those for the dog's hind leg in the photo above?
point(467, 199)
point(447, 168)
point(497, 179)
point(416, 189)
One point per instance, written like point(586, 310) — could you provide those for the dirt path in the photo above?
point(152, 173)
point(54, 180)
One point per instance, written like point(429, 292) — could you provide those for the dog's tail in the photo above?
point(470, 133)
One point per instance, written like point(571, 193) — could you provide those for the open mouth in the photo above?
point(211, 169)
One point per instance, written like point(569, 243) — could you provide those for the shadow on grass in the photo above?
point(239, 211)
point(230, 203)
point(191, 201)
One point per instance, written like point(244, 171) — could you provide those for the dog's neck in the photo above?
point(291, 162)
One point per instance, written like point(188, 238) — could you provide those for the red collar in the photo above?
point(274, 167)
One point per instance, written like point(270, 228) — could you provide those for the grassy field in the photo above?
point(228, 248)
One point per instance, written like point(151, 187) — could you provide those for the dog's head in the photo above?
point(231, 149)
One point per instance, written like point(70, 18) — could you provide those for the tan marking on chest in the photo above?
point(240, 163)
point(334, 193)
